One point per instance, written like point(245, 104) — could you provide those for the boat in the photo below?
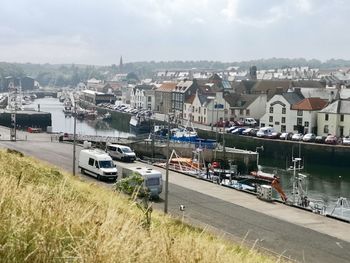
point(184, 134)
point(140, 124)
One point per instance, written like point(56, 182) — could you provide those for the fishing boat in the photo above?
point(140, 124)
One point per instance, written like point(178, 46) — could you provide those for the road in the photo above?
point(227, 218)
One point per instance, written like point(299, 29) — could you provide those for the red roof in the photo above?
point(190, 99)
point(310, 104)
point(167, 86)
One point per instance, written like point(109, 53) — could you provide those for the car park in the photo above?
point(309, 137)
point(331, 139)
point(297, 137)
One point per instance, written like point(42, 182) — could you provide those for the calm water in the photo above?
point(60, 123)
point(324, 183)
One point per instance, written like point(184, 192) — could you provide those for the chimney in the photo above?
point(331, 97)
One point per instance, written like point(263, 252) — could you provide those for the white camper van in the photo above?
point(152, 178)
point(97, 163)
point(121, 152)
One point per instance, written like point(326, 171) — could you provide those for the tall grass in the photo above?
point(48, 216)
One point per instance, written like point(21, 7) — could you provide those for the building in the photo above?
point(335, 119)
point(163, 96)
point(142, 97)
point(96, 97)
point(243, 106)
point(280, 115)
point(182, 91)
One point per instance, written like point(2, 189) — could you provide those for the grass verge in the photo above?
point(49, 216)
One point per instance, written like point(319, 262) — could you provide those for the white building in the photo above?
point(142, 97)
point(335, 119)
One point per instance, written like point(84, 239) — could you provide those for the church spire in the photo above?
point(121, 64)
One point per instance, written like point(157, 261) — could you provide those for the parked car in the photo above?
point(238, 130)
point(309, 137)
point(297, 137)
point(247, 131)
point(346, 140)
point(265, 131)
point(320, 139)
point(273, 135)
point(229, 130)
point(331, 139)
point(237, 123)
point(250, 122)
point(286, 136)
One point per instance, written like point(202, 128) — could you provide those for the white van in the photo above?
point(121, 152)
point(152, 178)
point(265, 131)
point(250, 122)
point(97, 163)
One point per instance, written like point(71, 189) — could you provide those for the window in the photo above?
point(277, 123)
point(283, 128)
point(271, 119)
point(97, 165)
point(232, 112)
point(205, 111)
point(325, 128)
point(342, 117)
point(284, 110)
point(149, 98)
point(199, 110)
point(184, 115)
point(241, 112)
point(185, 107)
point(199, 119)
point(271, 109)
point(300, 113)
point(247, 112)
point(341, 131)
point(283, 120)
point(306, 124)
point(300, 121)
point(326, 117)
point(91, 161)
point(205, 120)
point(262, 125)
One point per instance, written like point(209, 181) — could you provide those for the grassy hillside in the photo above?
point(48, 216)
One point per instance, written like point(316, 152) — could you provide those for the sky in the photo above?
point(99, 32)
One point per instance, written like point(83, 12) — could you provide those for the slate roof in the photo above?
point(310, 104)
point(307, 84)
point(271, 85)
point(240, 101)
point(293, 97)
point(338, 107)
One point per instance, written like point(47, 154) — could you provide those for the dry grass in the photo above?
point(47, 216)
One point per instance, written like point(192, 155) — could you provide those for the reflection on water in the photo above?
point(61, 123)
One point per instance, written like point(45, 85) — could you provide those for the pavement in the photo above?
point(284, 230)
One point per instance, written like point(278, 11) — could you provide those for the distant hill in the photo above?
point(70, 75)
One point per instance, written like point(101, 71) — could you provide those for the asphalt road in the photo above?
point(230, 220)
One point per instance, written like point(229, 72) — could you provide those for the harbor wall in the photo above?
point(27, 119)
point(279, 153)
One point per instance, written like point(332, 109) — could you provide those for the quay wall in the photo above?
point(27, 119)
point(279, 153)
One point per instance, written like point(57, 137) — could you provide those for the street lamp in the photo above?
point(74, 135)
point(167, 170)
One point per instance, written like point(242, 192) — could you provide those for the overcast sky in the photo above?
point(99, 32)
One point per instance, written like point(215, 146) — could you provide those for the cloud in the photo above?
point(87, 31)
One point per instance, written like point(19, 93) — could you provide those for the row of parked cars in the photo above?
point(125, 108)
point(270, 133)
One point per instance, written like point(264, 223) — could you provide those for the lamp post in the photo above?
point(74, 135)
point(166, 193)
